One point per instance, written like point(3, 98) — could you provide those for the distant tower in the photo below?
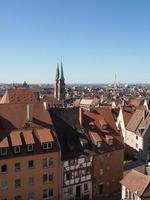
point(56, 82)
point(59, 89)
point(61, 85)
point(115, 83)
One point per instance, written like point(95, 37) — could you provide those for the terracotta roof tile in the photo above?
point(15, 138)
point(136, 182)
point(4, 143)
point(95, 137)
point(44, 135)
point(135, 120)
point(28, 137)
point(16, 96)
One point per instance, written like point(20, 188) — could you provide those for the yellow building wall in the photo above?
point(37, 172)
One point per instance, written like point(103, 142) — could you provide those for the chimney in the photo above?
point(144, 114)
point(80, 116)
point(29, 113)
point(45, 105)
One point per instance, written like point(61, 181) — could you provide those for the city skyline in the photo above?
point(96, 39)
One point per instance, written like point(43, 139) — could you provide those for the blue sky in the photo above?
point(96, 39)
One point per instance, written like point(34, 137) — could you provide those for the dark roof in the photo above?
point(68, 137)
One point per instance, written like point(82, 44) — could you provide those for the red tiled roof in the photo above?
point(28, 137)
point(95, 137)
point(15, 138)
point(16, 96)
point(4, 143)
point(127, 114)
point(44, 135)
point(136, 182)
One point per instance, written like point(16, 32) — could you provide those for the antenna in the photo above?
point(115, 84)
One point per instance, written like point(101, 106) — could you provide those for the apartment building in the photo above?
point(76, 155)
point(138, 135)
point(91, 152)
point(109, 151)
point(29, 153)
point(123, 119)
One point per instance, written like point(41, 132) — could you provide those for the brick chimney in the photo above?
point(29, 113)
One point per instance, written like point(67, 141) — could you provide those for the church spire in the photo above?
point(62, 72)
point(57, 72)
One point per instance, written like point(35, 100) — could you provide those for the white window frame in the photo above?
point(4, 153)
point(46, 145)
point(30, 146)
point(17, 149)
point(99, 144)
point(49, 162)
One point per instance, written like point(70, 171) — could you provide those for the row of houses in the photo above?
point(55, 153)
point(134, 125)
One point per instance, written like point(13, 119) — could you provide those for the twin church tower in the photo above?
point(59, 86)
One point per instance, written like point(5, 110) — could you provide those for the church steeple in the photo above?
point(59, 87)
point(62, 72)
point(57, 72)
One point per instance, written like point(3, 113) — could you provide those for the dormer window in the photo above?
point(109, 139)
point(3, 151)
point(17, 149)
point(99, 144)
point(30, 147)
point(110, 142)
point(96, 139)
point(47, 145)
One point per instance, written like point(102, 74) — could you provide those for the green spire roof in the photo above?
point(57, 72)
point(62, 73)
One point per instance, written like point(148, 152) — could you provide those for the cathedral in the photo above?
point(59, 87)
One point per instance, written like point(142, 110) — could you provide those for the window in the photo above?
point(76, 174)
point(17, 149)
point(31, 180)
point(136, 145)
point(87, 171)
point(3, 168)
point(51, 177)
point(3, 151)
point(17, 183)
point(101, 186)
point(87, 158)
point(18, 197)
point(31, 196)
point(136, 137)
point(101, 171)
point(85, 187)
point(70, 190)
point(4, 185)
point(99, 144)
point(83, 172)
point(72, 162)
point(17, 167)
point(47, 178)
point(47, 162)
point(47, 193)
point(47, 145)
point(30, 163)
point(68, 176)
point(30, 148)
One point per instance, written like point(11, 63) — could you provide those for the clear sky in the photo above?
point(96, 38)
